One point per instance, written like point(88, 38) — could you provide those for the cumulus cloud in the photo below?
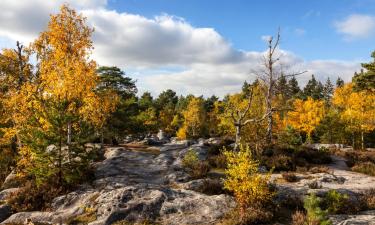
point(162, 52)
point(356, 26)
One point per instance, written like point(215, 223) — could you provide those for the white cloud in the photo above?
point(163, 52)
point(356, 26)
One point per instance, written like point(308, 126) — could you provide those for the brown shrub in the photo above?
point(299, 218)
point(218, 161)
point(290, 177)
point(319, 169)
point(33, 198)
point(368, 199)
point(250, 217)
point(314, 156)
point(212, 187)
point(279, 162)
point(365, 168)
point(199, 170)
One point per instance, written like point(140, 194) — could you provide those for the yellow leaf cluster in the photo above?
point(306, 115)
point(194, 119)
point(357, 108)
point(250, 188)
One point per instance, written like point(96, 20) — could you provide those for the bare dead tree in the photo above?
point(269, 74)
point(240, 118)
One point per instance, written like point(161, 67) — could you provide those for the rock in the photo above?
point(214, 141)
point(4, 194)
point(5, 212)
point(362, 218)
point(11, 181)
point(161, 135)
point(113, 152)
point(319, 145)
point(33, 217)
point(132, 185)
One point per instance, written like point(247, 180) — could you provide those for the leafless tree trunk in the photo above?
point(270, 74)
point(239, 118)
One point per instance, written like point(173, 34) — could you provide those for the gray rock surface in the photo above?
point(136, 184)
point(364, 218)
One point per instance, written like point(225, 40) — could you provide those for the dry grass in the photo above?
point(299, 218)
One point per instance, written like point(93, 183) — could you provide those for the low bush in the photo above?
point(299, 218)
point(335, 202)
point(314, 185)
point(212, 187)
point(319, 169)
point(290, 177)
point(251, 216)
point(217, 161)
point(250, 188)
point(365, 168)
point(278, 163)
point(368, 199)
point(195, 167)
point(315, 215)
point(31, 197)
point(314, 156)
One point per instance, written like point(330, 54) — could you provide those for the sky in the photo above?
point(206, 46)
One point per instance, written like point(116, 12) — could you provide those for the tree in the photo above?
point(241, 111)
point(250, 188)
point(313, 89)
point(113, 78)
point(339, 82)
point(62, 102)
point(365, 80)
point(121, 120)
point(146, 101)
point(357, 110)
point(165, 105)
point(294, 89)
point(328, 90)
point(306, 115)
point(194, 119)
point(269, 75)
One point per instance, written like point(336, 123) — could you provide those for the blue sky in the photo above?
point(307, 26)
point(209, 47)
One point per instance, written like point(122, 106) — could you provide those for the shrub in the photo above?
point(319, 169)
point(335, 202)
point(365, 168)
point(195, 167)
point(290, 137)
point(218, 161)
point(250, 216)
point(314, 185)
point(212, 187)
point(290, 177)
point(190, 159)
point(279, 162)
point(314, 156)
point(315, 215)
point(299, 218)
point(368, 199)
point(249, 187)
point(32, 197)
point(200, 170)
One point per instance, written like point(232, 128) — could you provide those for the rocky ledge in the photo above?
point(134, 184)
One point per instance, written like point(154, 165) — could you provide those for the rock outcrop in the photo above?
point(136, 185)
